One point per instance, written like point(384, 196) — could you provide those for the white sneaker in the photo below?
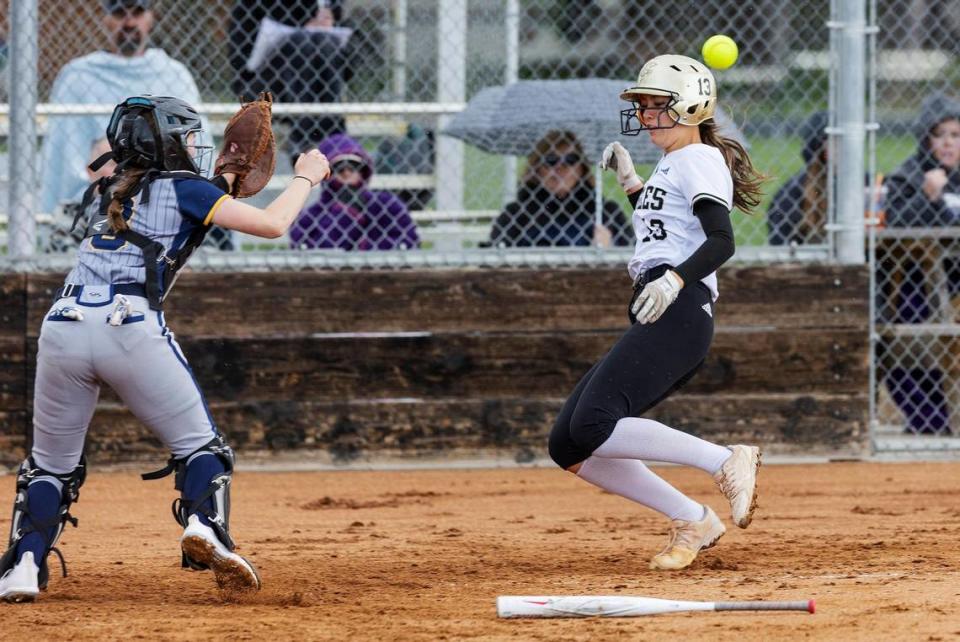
point(232, 571)
point(20, 583)
point(737, 479)
point(687, 539)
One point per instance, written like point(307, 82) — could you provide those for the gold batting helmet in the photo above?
point(688, 83)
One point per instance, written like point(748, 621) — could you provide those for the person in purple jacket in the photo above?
point(348, 215)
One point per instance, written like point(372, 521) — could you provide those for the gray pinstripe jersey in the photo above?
point(176, 207)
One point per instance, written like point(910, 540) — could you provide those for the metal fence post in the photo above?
point(512, 24)
point(22, 231)
point(851, 91)
point(451, 88)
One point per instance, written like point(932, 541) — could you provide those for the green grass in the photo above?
point(779, 158)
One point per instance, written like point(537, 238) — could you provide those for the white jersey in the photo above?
point(667, 230)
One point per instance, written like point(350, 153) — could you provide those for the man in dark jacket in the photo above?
point(309, 66)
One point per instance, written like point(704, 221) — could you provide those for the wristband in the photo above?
point(312, 184)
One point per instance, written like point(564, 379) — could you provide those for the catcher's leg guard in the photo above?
point(203, 509)
point(41, 510)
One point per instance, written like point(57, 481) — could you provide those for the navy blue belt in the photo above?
point(74, 289)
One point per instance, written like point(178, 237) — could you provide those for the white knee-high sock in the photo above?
point(637, 438)
point(632, 479)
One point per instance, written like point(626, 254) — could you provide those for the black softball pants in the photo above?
point(646, 365)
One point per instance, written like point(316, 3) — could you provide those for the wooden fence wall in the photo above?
point(349, 365)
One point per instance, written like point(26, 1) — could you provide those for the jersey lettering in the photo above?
point(652, 198)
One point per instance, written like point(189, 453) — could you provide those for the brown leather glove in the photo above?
point(249, 150)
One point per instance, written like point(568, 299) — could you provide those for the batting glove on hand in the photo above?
point(617, 159)
point(656, 297)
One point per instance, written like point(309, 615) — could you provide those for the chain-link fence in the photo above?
point(380, 84)
point(915, 244)
point(414, 100)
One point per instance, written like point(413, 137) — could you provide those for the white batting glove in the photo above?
point(617, 159)
point(656, 297)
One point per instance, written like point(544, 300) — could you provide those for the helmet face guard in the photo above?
point(159, 132)
point(635, 113)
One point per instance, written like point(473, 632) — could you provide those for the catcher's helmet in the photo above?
point(151, 132)
point(687, 82)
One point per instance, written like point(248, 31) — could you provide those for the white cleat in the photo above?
point(737, 480)
point(233, 572)
point(20, 583)
point(687, 539)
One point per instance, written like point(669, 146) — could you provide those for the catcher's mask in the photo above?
point(159, 132)
point(686, 82)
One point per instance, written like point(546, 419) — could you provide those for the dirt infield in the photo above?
point(422, 556)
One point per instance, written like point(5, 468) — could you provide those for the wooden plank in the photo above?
point(344, 431)
point(490, 365)
point(13, 367)
point(13, 437)
point(13, 297)
point(794, 295)
point(291, 303)
point(14, 381)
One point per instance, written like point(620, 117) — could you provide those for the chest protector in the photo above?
point(162, 268)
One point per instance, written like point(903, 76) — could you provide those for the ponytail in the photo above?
point(122, 187)
point(747, 181)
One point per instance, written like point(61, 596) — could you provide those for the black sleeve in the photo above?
point(908, 206)
point(504, 230)
point(714, 252)
point(633, 198)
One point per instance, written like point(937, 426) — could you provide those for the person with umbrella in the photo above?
point(555, 204)
point(684, 233)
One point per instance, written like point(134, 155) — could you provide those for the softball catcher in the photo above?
point(682, 222)
point(106, 325)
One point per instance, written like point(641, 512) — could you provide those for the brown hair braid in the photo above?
point(747, 181)
point(120, 190)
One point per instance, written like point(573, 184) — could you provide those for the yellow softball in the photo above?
point(720, 52)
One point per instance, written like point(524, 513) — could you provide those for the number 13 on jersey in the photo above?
point(655, 230)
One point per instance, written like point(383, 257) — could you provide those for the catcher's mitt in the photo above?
point(249, 149)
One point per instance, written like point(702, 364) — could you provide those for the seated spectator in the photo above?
point(349, 216)
point(923, 192)
point(307, 65)
point(798, 211)
point(556, 203)
point(105, 77)
point(411, 154)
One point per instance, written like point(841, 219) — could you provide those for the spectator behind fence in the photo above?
point(798, 210)
point(105, 77)
point(297, 50)
point(556, 204)
point(348, 215)
point(923, 192)
point(411, 154)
